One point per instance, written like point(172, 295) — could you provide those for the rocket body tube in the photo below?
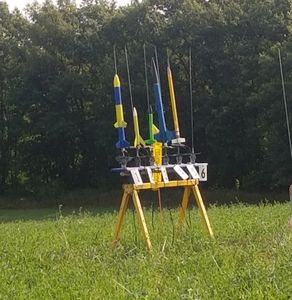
point(119, 105)
point(152, 128)
point(164, 134)
point(120, 123)
point(173, 102)
point(178, 139)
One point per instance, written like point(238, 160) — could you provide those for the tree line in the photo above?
point(56, 87)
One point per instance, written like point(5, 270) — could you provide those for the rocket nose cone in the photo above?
point(117, 81)
point(134, 112)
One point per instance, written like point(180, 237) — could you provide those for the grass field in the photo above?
point(47, 254)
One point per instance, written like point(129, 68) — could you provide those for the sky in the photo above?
point(21, 3)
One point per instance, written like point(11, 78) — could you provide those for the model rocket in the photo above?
point(178, 139)
point(164, 134)
point(138, 139)
point(120, 123)
point(152, 128)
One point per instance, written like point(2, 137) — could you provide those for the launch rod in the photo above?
point(115, 61)
point(129, 79)
point(191, 98)
point(285, 102)
point(157, 64)
point(146, 78)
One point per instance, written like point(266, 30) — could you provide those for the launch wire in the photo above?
point(285, 102)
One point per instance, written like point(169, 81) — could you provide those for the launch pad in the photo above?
point(159, 168)
point(190, 186)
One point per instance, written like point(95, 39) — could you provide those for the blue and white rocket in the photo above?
point(164, 134)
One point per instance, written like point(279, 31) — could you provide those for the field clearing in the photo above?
point(47, 254)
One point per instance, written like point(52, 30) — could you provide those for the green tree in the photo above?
point(13, 37)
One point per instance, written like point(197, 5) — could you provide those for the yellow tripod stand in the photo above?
point(131, 191)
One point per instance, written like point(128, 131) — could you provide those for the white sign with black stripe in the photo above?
point(136, 176)
point(150, 175)
point(193, 172)
point(190, 171)
point(164, 174)
point(182, 174)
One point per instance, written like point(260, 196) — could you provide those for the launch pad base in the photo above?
point(131, 191)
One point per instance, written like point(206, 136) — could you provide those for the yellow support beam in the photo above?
point(121, 215)
point(202, 209)
point(184, 206)
point(160, 185)
point(141, 218)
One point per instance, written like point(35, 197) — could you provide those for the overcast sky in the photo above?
point(21, 3)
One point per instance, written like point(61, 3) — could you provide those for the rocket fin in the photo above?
point(120, 124)
point(155, 130)
point(139, 141)
point(170, 135)
point(165, 137)
point(122, 144)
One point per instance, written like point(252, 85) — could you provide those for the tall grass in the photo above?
point(70, 256)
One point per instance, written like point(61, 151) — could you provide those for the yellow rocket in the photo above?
point(138, 139)
point(178, 139)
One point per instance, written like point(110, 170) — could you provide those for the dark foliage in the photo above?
point(56, 95)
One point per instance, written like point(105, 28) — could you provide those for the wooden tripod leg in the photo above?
point(202, 209)
point(141, 218)
point(121, 216)
point(184, 206)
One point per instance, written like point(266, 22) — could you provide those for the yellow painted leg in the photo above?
point(141, 218)
point(202, 209)
point(184, 206)
point(121, 216)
